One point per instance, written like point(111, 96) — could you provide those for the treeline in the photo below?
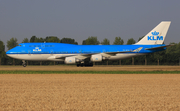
point(171, 56)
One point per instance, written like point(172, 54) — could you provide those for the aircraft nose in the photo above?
point(10, 52)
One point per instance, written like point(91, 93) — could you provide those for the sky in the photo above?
point(80, 19)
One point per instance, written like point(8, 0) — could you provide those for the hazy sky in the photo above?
point(79, 19)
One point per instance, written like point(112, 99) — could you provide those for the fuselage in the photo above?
point(47, 51)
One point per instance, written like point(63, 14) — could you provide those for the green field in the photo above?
point(135, 69)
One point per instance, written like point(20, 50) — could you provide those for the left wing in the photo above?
point(84, 56)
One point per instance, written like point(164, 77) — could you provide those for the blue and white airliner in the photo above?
point(85, 55)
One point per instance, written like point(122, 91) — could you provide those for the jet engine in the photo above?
point(96, 58)
point(70, 60)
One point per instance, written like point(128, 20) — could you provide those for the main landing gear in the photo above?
point(85, 64)
point(24, 63)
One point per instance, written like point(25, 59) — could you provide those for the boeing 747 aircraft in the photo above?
point(85, 55)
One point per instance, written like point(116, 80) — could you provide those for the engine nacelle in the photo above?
point(96, 58)
point(70, 60)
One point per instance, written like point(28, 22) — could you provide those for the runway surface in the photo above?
point(95, 68)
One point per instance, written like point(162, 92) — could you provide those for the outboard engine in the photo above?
point(70, 60)
point(96, 58)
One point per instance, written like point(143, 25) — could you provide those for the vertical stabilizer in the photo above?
point(157, 35)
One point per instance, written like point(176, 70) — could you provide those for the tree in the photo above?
point(25, 40)
point(91, 41)
point(131, 41)
point(84, 42)
point(39, 40)
point(140, 38)
point(33, 39)
point(140, 59)
point(105, 42)
point(11, 44)
point(118, 41)
point(68, 40)
point(2, 48)
point(173, 53)
point(36, 39)
point(52, 39)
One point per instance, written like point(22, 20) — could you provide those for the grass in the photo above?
point(87, 72)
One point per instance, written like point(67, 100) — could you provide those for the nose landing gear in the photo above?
point(24, 63)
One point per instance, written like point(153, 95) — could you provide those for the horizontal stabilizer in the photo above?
point(156, 48)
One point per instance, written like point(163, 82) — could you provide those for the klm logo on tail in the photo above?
point(155, 36)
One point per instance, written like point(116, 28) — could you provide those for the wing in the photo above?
point(84, 56)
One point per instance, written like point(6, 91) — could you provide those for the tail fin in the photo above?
point(157, 35)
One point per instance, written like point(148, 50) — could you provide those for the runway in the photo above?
point(95, 68)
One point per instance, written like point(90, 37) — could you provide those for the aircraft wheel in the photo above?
point(88, 65)
point(24, 65)
point(82, 65)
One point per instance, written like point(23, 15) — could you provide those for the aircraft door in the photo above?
point(43, 45)
point(29, 52)
point(51, 51)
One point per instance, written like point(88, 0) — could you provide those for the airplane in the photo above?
point(85, 55)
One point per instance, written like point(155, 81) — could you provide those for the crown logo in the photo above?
point(155, 33)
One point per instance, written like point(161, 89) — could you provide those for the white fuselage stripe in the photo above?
point(51, 57)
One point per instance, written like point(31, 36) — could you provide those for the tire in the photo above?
point(24, 65)
point(82, 65)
